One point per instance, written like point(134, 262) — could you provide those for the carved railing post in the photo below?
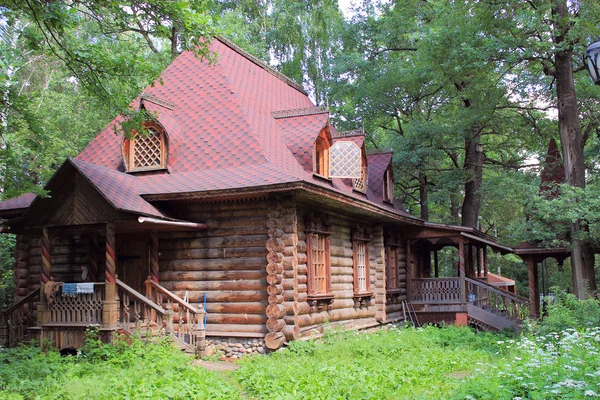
point(154, 256)
point(94, 262)
point(110, 310)
point(461, 270)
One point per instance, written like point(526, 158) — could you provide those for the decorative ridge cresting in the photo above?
point(343, 134)
point(158, 101)
point(299, 112)
point(379, 151)
point(261, 64)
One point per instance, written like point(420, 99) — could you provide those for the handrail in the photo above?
point(495, 290)
point(173, 296)
point(435, 279)
point(140, 297)
point(32, 295)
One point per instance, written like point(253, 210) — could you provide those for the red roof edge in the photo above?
point(261, 64)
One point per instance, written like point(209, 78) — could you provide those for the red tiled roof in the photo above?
point(17, 203)
point(232, 124)
point(378, 163)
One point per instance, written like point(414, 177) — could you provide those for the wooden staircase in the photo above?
point(486, 307)
point(159, 312)
point(490, 308)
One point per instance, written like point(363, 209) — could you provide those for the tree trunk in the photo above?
point(473, 168)
point(423, 194)
point(571, 140)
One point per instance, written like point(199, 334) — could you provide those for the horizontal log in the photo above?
point(291, 332)
point(214, 318)
point(211, 275)
point(276, 311)
point(275, 325)
point(274, 268)
point(287, 284)
point(237, 308)
point(274, 290)
point(351, 313)
point(260, 284)
point(225, 296)
point(274, 340)
point(341, 262)
point(288, 274)
point(247, 263)
point(275, 299)
point(235, 252)
point(288, 295)
point(274, 279)
point(301, 307)
point(342, 279)
point(216, 242)
point(214, 329)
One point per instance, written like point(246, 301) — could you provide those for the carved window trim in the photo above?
point(361, 238)
point(150, 150)
point(321, 155)
point(393, 244)
point(318, 240)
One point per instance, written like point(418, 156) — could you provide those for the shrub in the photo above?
point(567, 311)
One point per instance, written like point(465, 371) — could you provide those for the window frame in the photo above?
point(388, 185)
point(130, 146)
point(317, 229)
point(321, 155)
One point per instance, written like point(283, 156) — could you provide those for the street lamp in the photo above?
point(592, 56)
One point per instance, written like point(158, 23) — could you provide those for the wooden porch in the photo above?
point(60, 316)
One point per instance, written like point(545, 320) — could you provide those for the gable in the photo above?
point(73, 201)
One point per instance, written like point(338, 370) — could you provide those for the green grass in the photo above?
point(425, 363)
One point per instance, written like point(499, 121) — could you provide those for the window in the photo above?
point(321, 155)
point(391, 272)
point(319, 268)
point(360, 184)
point(318, 233)
point(361, 267)
point(388, 185)
point(146, 152)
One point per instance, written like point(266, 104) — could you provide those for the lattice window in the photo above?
point(146, 152)
point(346, 160)
point(361, 269)
point(319, 264)
point(361, 183)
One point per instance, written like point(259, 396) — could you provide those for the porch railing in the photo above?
point(435, 290)
point(138, 312)
point(17, 319)
point(81, 309)
point(497, 301)
point(184, 321)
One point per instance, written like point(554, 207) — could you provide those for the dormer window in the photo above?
point(146, 152)
point(388, 185)
point(360, 184)
point(321, 155)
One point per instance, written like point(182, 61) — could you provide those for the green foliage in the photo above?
point(566, 311)
point(135, 370)
point(397, 363)
point(7, 262)
point(561, 365)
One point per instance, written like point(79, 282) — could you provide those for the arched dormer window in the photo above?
point(321, 155)
point(388, 185)
point(146, 152)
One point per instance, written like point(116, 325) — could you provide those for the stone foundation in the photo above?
point(234, 348)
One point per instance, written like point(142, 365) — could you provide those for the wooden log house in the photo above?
point(243, 216)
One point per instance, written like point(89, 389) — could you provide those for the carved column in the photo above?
point(110, 310)
point(43, 313)
point(154, 256)
point(484, 256)
point(534, 294)
point(462, 271)
point(436, 270)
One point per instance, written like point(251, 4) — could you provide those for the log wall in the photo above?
point(228, 262)
point(344, 310)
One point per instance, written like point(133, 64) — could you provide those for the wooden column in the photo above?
point(461, 270)
point(485, 262)
point(534, 294)
point(43, 313)
point(154, 256)
point(110, 309)
point(436, 270)
point(479, 273)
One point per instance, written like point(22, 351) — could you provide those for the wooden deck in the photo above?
point(465, 300)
